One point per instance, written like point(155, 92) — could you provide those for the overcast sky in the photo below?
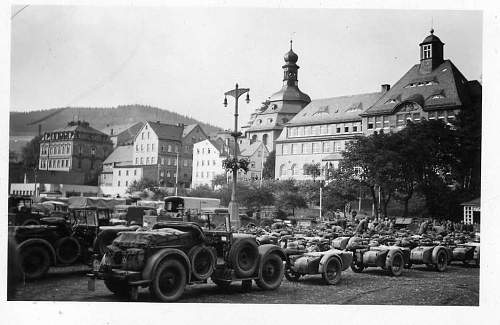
point(184, 59)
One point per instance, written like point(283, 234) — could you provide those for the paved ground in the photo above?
point(458, 286)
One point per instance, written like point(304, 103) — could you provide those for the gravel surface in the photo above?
point(458, 286)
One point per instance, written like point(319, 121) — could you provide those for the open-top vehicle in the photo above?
point(64, 241)
point(328, 262)
point(174, 254)
point(434, 255)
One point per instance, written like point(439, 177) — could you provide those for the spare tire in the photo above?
point(271, 273)
point(67, 250)
point(244, 257)
point(203, 261)
point(104, 239)
point(35, 261)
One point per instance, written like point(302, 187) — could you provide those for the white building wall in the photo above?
point(145, 147)
point(207, 163)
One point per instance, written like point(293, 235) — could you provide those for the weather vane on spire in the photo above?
point(291, 39)
point(432, 25)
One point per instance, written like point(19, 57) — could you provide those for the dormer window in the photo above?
point(391, 101)
point(426, 51)
point(259, 121)
point(437, 96)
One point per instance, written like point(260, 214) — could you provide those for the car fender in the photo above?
point(153, 262)
point(391, 252)
point(267, 249)
point(435, 252)
point(325, 259)
point(40, 242)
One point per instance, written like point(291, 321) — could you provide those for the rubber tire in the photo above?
point(42, 261)
point(67, 246)
point(31, 222)
point(398, 270)
point(291, 275)
point(333, 264)
point(272, 271)
point(119, 287)
point(209, 260)
point(173, 268)
point(443, 256)
point(244, 257)
point(357, 268)
point(104, 239)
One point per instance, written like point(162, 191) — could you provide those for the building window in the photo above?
point(142, 137)
point(300, 131)
point(118, 183)
point(177, 148)
point(168, 174)
point(142, 160)
point(338, 130)
point(426, 51)
point(400, 120)
point(316, 147)
point(136, 147)
point(307, 130)
point(440, 115)
point(324, 129)
point(385, 123)
point(264, 139)
point(169, 148)
point(354, 128)
point(147, 160)
point(126, 183)
point(306, 148)
point(337, 146)
point(119, 173)
point(126, 173)
point(295, 169)
point(286, 149)
point(327, 148)
point(346, 129)
point(135, 172)
point(147, 147)
point(315, 130)
point(295, 148)
point(152, 160)
point(282, 170)
point(148, 134)
point(142, 147)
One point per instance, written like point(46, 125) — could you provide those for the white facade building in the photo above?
point(207, 161)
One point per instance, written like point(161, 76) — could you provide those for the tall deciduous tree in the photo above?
point(313, 170)
point(31, 153)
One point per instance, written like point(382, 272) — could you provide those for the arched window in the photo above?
point(295, 169)
point(282, 170)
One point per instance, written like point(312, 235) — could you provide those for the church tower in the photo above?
point(290, 69)
point(431, 53)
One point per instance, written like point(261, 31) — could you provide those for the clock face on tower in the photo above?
point(291, 74)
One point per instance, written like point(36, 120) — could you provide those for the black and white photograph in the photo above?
point(281, 157)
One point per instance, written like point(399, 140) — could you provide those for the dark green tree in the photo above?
point(30, 155)
point(313, 170)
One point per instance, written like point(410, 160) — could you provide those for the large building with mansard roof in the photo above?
point(267, 122)
point(434, 88)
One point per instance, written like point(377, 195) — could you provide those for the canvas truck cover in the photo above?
point(80, 202)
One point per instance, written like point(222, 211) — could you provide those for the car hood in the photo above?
point(157, 237)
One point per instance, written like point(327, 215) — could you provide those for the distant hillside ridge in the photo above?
point(26, 123)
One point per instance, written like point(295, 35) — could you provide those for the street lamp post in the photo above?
point(236, 93)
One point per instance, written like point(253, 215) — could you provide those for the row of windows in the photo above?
point(55, 150)
point(310, 147)
point(57, 163)
point(324, 129)
point(208, 150)
point(164, 148)
point(205, 175)
point(126, 172)
point(168, 174)
point(22, 192)
point(203, 163)
point(400, 119)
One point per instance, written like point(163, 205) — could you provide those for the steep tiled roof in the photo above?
point(128, 135)
point(116, 128)
point(335, 109)
point(188, 128)
point(445, 81)
point(80, 127)
point(167, 131)
point(121, 154)
point(247, 149)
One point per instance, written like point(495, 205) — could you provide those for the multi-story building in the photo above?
point(256, 153)
point(207, 160)
point(432, 89)
point(267, 122)
point(190, 135)
point(166, 146)
point(319, 133)
point(73, 154)
point(121, 156)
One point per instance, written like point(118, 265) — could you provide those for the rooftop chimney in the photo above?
point(385, 88)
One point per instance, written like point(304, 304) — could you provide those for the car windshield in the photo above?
point(213, 221)
point(85, 217)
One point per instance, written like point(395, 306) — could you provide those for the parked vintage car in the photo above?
point(174, 254)
point(61, 241)
point(20, 212)
point(467, 253)
point(329, 263)
point(365, 254)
